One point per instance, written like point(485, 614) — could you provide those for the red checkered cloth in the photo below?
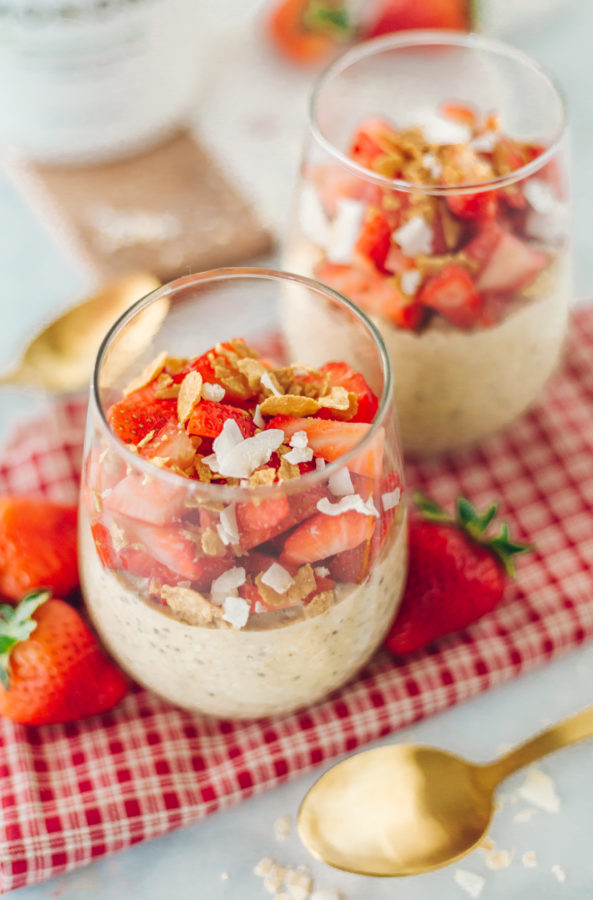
point(72, 793)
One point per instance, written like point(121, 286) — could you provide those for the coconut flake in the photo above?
point(258, 419)
point(539, 789)
point(299, 439)
point(228, 581)
point(322, 571)
point(414, 237)
point(498, 859)
point(314, 222)
point(236, 611)
point(212, 463)
point(351, 502)
point(340, 483)
point(540, 195)
point(214, 392)
point(298, 455)
point(471, 883)
point(320, 463)
point(259, 607)
point(409, 280)
point(559, 872)
point(267, 382)
point(282, 828)
point(430, 162)
point(345, 230)
point(441, 131)
point(278, 578)
point(229, 437)
point(244, 458)
point(390, 499)
point(227, 529)
point(529, 859)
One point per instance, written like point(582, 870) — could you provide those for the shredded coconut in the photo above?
point(228, 581)
point(236, 611)
point(430, 162)
point(227, 529)
point(322, 571)
point(320, 463)
point(268, 383)
point(485, 142)
point(299, 439)
point(442, 131)
point(540, 195)
point(243, 458)
point(410, 280)
point(414, 237)
point(258, 419)
point(278, 578)
point(345, 230)
point(298, 455)
point(314, 222)
point(539, 789)
point(471, 883)
point(229, 437)
point(214, 392)
point(391, 498)
point(350, 502)
point(340, 483)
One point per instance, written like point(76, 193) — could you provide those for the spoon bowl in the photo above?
point(406, 808)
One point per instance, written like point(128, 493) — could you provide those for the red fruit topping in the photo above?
point(342, 375)
point(369, 142)
point(37, 546)
point(375, 238)
point(453, 295)
point(482, 205)
point(376, 294)
point(208, 419)
point(149, 500)
point(512, 266)
point(140, 413)
point(323, 536)
point(400, 15)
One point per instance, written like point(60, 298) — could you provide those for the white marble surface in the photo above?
point(257, 105)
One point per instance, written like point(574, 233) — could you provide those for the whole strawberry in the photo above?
point(51, 666)
point(456, 573)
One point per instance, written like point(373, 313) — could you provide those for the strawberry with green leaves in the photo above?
point(457, 573)
point(52, 668)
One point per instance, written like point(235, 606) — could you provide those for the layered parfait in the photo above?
point(452, 236)
point(243, 540)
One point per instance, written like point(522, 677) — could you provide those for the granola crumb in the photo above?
point(498, 859)
point(282, 828)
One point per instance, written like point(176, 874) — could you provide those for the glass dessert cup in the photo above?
point(166, 559)
point(434, 194)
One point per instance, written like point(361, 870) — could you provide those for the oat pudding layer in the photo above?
point(452, 387)
point(273, 667)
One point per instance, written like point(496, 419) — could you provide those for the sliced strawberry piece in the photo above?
point(104, 546)
point(512, 266)
point(482, 205)
point(334, 184)
point(140, 413)
point(342, 375)
point(323, 536)
point(263, 514)
point(369, 141)
point(148, 500)
point(375, 238)
point(331, 440)
point(172, 442)
point(452, 294)
point(208, 418)
point(482, 246)
point(352, 566)
point(301, 505)
point(459, 112)
point(375, 293)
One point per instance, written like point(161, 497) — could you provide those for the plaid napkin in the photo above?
point(72, 793)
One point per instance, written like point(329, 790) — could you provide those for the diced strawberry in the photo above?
point(236, 392)
point(208, 418)
point(375, 293)
point(334, 184)
point(302, 505)
point(104, 546)
point(453, 295)
point(494, 307)
point(397, 262)
point(481, 205)
point(262, 515)
point(508, 156)
point(148, 500)
point(323, 536)
point(143, 564)
point(140, 413)
point(343, 376)
point(250, 593)
point(352, 566)
point(482, 246)
point(375, 238)
point(331, 440)
point(104, 468)
point(512, 265)
point(172, 442)
point(369, 141)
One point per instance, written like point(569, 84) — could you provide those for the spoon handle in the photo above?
point(576, 728)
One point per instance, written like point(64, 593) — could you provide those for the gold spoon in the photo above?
point(61, 356)
point(407, 809)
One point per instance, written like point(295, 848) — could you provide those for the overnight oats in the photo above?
point(242, 529)
point(441, 209)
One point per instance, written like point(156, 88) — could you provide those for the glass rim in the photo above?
point(426, 38)
point(225, 491)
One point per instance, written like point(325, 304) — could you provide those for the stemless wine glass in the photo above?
point(172, 566)
point(434, 194)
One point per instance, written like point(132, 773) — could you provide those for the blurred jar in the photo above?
point(90, 80)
